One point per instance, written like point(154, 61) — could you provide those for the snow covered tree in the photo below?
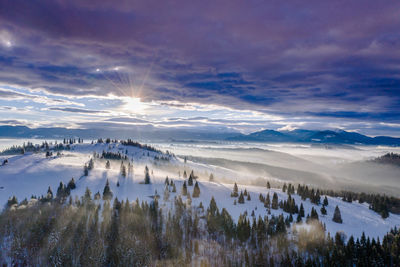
point(325, 203)
point(71, 184)
point(248, 196)
point(166, 182)
point(123, 170)
point(173, 188)
point(184, 189)
point(235, 191)
point(191, 177)
point(87, 197)
point(268, 185)
point(241, 198)
point(323, 210)
point(267, 201)
point(107, 194)
point(91, 164)
point(337, 217)
point(196, 190)
point(108, 165)
point(211, 179)
point(12, 201)
point(146, 175)
point(284, 187)
point(274, 204)
point(184, 174)
point(85, 170)
point(49, 193)
point(301, 212)
point(166, 192)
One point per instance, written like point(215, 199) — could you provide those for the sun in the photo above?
point(135, 105)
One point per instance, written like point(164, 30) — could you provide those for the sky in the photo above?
point(207, 65)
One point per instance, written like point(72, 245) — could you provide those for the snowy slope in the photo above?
point(32, 174)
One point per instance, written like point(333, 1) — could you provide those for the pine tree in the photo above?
point(49, 193)
point(184, 173)
point(184, 189)
point(235, 191)
point(267, 202)
point(268, 185)
point(71, 184)
point(146, 175)
point(174, 188)
point(108, 165)
point(241, 198)
point(323, 210)
point(337, 217)
point(248, 196)
point(298, 220)
point(190, 180)
point(211, 179)
point(284, 187)
point(87, 196)
point(91, 164)
point(274, 204)
point(301, 212)
point(123, 170)
point(107, 194)
point(85, 170)
point(166, 182)
point(12, 201)
point(196, 190)
point(325, 203)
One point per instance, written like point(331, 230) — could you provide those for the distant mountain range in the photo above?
point(315, 136)
point(295, 136)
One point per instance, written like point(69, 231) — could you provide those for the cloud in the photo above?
point(311, 60)
point(78, 110)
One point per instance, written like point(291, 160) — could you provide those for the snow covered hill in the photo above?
point(32, 174)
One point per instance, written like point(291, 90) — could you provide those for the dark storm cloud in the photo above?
point(316, 58)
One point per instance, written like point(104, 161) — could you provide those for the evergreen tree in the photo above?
point(184, 173)
point(248, 196)
point(267, 202)
point(123, 170)
point(108, 165)
point(71, 184)
point(190, 180)
point(12, 201)
point(268, 185)
point(235, 191)
point(284, 187)
point(301, 212)
point(107, 194)
point(184, 189)
point(196, 190)
point(323, 210)
point(85, 170)
point(146, 175)
point(274, 204)
point(337, 217)
point(173, 188)
point(211, 179)
point(325, 203)
point(241, 198)
point(91, 164)
point(166, 182)
point(49, 193)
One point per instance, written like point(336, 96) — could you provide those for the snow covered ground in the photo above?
point(31, 174)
